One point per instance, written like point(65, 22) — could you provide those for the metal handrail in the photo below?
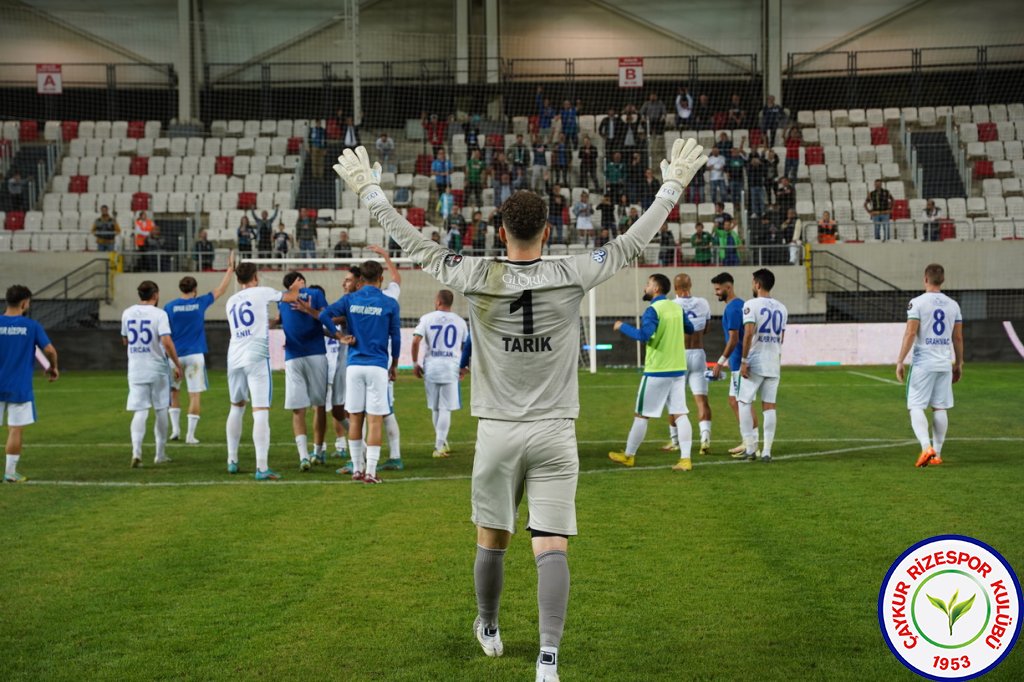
point(67, 286)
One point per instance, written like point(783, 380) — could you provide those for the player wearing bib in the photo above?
point(373, 322)
point(20, 336)
point(146, 333)
point(764, 321)
point(249, 366)
point(524, 319)
point(443, 335)
point(732, 324)
point(662, 328)
point(698, 312)
point(935, 331)
point(188, 317)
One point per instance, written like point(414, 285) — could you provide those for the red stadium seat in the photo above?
point(533, 124)
point(140, 201)
point(416, 216)
point(225, 165)
point(294, 145)
point(308, 213)
point(136, 129)
point(460, 197)
point(79, 184)
point(880, 135)
point(718, 120)
point(497, 141)
point(333, 129)
point(6, 148)
point(814, 156)
point(900, 209)
point(15, 220)
point(988, 132)
point(947, 230)
point(246, 200)
point(984, 169)
point(69, 130)
point(139, 165)
point(29, 131)
point(673, 215)
point(755, 138)
point(423, 162)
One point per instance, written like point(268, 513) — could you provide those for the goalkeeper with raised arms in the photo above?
point(524, 320)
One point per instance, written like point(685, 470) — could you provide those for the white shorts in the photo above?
point(336, 372)
point(734, 384)
point(195, 373)
point(657, 392)
point(443, 396)
point(251, 384)
point(155, 394)
point(366, 390)
point(18, 414)
point(305, 382)
point(767, 387)
point(929, 389)
point(696, 366)
point(391, 396)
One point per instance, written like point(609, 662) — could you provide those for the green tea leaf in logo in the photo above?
point(959, 610)
point(938, 603)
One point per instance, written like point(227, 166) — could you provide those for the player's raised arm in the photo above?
point(223, 286)
point(395, 275)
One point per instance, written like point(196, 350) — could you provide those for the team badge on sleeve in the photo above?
point(452, 259)
point(599, 256)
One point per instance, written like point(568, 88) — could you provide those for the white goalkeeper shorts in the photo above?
point(696, 366)
point(656, 393)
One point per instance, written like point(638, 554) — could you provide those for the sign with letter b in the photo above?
point(631, 72)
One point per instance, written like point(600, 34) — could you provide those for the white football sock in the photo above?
point(673, 434)
point(444, 423)
point(138, 432)
point(193, 422)
point(372, 457)
point(433, 416)
point(340, 443)
point(636, 435)
point(319, 448)
point(940, 422)
point(355, 450)
point(394, 436)
point(261, 437)
point(919, 422)
point(747, 428)
point(12, 465)
point(175, 414)
point(705, 431)
point(769, 431)
point(160, 433)
point(302, 446)
point(234, 431)
point(685, 436)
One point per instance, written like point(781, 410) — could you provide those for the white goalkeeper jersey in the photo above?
point(247, 320)
point(444, 335)
point(768, 316)
point(524, 316)
point(933, 346)
point(696, 310)
point(143, 326)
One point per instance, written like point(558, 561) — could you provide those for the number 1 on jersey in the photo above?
point(524, 302)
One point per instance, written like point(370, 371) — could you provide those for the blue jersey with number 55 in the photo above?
point(933, 347)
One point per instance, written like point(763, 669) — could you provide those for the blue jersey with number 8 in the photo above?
point(933, 347)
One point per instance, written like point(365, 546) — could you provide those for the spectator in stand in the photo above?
point(471, 129)
point(630, 124)
point(621, 212)
point(474, 178)
point(930, 219)
point(105, 229)
point(737, 117)
point(154, 261)
point(701, 242)
point(728, 241)
point(584, 213)
point(441, 167)
point(479, 234)
point(793, 142)
point(545, 114)
point(343, 249)
point(385, 148)
point(16, 190)
point(614, 174)
point(560, 155)
point(588, 164)
point(827, 229)
point(499, 167)
point(317, 148)
point(649, 187)
point(204, 251)
point(695, 190)
point(610, 130)
point(539, 168)
point(305, 233)
point(785, 197)
point(436, 131)
point(265, 231)
point(283, 241)
point(246, 237)
point(445, 204)
point(703, 117)
point(736, 166)
point(569, 116)
point(142, 228)
point(771, 118)
point(724, 145)
point(455, 228)
point(631, 217)
point(756, 178)
point(607, 209)
point(666, 246)
point(653, 114)
point(435, 237)
point(556, 214)
point(520, 179)
point(684, 109)
point(350, 134)
point(879, 205)
point(503, 188)
point(716, 165)
point(792, 234)
point(770, 162)
point(634, 177)
point(518, 154)
point(602, 238)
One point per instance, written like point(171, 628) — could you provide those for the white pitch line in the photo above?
point(872, 376)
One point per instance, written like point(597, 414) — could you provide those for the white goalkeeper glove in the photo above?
point(360, 177)
point(686, 160)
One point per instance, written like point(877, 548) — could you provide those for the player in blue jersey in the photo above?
point(732, 355)
point(305, 367)
point(188, 317)
point(373, 321)
point(19, 338)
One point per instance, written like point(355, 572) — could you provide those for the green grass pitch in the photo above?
point(734, 571)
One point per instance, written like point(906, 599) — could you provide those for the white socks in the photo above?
point(920, 424)
point(261, 437)
point(340, 443)
point(685, 432)
point(705, 431)
point(193, 422)
point(356, 452)
point(747, 428)
point(636, 435)
point(12, 465)
point(673, 433)
point(138, 432)
point(175, 414)
point(769, 432)
point(442, 424)
point(302, 446)
point(234, 431)
point(940, 422)
point(394, 436)
point(160, 434)
point(372, 457)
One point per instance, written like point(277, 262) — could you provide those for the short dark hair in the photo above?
point(148, 289)
point(356, 272)
point(722, 278)
point(662, 281)
point(245, 273)
point(17, 293)
point(371, 271)
point(318, 288)
point(524, 215)
point(290, 278)
point(935, 273)
point(187, 284)
point(446, 297)
point(765, 278)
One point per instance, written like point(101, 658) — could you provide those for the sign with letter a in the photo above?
point(631, 72)
point(48, 79)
